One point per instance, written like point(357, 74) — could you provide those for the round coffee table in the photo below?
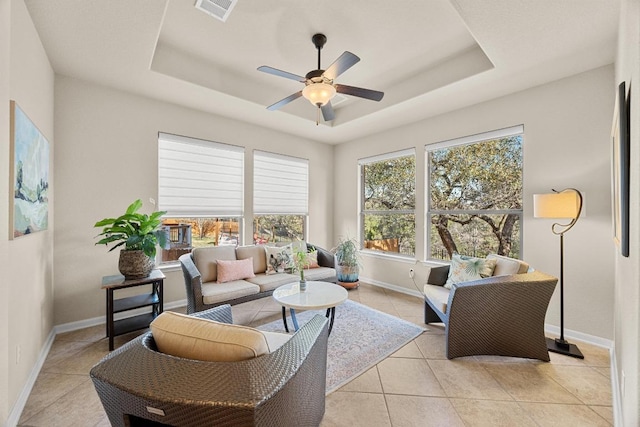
point(317, 296)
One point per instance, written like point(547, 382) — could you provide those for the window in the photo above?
point(280, 197)
point(475, 195)
point(388, 202)
point(201, 188)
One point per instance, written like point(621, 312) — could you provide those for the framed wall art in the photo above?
point(29, 174)
point(620, 134)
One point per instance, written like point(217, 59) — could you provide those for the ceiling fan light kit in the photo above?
point(319, 87)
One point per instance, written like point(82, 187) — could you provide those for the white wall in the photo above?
point(106, 157)
point(26, 289)
point(566, 144)
point(627, 270)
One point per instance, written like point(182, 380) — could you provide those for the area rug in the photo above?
point(361, 337)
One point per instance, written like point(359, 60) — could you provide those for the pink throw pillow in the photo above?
point(229, 271)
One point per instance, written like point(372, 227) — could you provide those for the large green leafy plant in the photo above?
point(136, 231)
point(347, 253)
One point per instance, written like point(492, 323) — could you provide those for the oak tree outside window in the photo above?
point(474, 193)
point(201, 188)
point(280, 198)
point(388, 202)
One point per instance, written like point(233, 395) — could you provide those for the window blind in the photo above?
point(199, 178)
point(280, 184)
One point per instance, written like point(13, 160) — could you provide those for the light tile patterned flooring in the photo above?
point(416, 386)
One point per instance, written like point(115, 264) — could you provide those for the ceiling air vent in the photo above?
point(217, 8)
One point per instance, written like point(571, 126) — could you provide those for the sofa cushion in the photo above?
point(213, 292)
point(256, 252)
point(278, 259)
point(272, 281)
point(506, 266)
point(229, 271)
point(438, 295)
point(206, 259)
point(465, 269)
point(320, 273)
point(202, 339)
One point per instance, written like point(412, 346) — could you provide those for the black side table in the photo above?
point(153, 299)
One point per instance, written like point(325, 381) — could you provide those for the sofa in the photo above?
point(499, 312)
point(141, 384)
point(219, 275)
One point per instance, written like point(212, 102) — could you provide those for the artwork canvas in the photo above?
point(29, 204)
point(620, 156)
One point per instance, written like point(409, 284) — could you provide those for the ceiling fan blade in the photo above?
point(340, 65)
point(280, 73)
point(327, 112)
point(285, 101)
point(373, 95)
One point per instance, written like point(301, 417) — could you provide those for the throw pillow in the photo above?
point(229, 271)
point(312, 260)
point(465, 269)
point(202, 339)
point(279, 259)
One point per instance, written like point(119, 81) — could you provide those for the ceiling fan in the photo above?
point(319, 86)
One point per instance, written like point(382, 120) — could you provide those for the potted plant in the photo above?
point(347, 262)
point(139, 234)
point(300, 262)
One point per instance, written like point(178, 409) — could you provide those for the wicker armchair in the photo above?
point(140, 386)
point(498, 315)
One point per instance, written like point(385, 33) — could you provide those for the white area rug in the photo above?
point(361, 337)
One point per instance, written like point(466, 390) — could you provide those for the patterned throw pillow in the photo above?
point(465, 269)
point(312, 260)
point(279, 259)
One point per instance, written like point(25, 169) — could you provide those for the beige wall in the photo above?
point(627, 270)
point(107, 157)
point(27, 262)
point(566, 144)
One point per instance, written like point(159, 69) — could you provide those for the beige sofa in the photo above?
point(502, 314)
point(200, 269)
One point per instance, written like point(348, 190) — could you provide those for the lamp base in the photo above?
point(563, 347)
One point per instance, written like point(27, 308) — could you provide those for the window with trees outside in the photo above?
point(388, 203)
point(474, 191)
point(280, 198)
point(200, 185)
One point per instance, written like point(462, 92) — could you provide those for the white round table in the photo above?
point(317, 296)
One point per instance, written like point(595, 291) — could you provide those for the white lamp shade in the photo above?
point(556, 205)
point(319, 93)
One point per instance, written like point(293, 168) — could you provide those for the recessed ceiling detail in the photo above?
point(217, 8)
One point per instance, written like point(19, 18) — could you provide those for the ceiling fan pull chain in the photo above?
point(318, 117)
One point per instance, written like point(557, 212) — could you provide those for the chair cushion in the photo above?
point(206, 259)
point(229, 271)
point(275, 340)
point(465, 269)
point(213, 292)
point(256, 252)
point(202, 339)
point(438, 295)
point(506, 266)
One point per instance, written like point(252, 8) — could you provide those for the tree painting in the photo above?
point(30, 151)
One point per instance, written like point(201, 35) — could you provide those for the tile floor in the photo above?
point(416, 386)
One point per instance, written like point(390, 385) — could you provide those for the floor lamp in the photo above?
point(560, 204)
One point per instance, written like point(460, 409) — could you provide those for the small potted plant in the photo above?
point(139, 234)
point(300, 262)
point(347, 263)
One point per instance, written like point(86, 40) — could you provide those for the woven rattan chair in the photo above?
point(139, 386)
point(499, 315)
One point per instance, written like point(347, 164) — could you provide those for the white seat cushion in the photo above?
point(202, 339)
point(276, 340)
point(319, 273)
point(213, 292)
point(269, 282)
point(438, 295)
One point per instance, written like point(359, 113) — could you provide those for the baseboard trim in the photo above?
point(18, 407)
point(392, 287)
point(615, 389)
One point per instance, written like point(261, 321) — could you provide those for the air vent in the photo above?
point(219, 9)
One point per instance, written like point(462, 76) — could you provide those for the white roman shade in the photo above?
point(199, 178)
point(280, 184)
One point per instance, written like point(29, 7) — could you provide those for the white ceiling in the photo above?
point(428, 56)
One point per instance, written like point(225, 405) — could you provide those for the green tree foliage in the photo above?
point(389, 203)
point(487, 177)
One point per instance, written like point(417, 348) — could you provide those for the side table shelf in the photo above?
point(133, 323)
